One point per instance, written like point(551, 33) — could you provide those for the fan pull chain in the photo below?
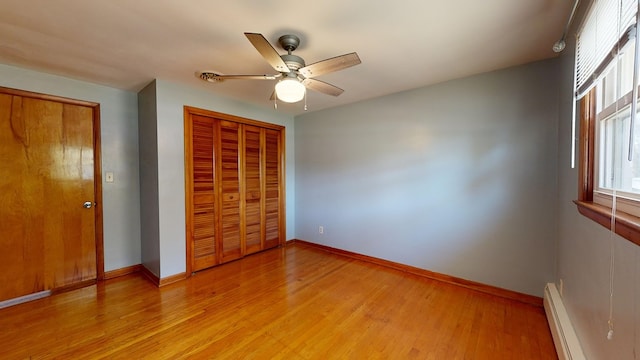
point(305, 99)
point(612, 264)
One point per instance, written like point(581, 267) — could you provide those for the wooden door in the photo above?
point(272, 189)
point(229, 190)
point(252, 190)
point(203, 214)
point(47, 172)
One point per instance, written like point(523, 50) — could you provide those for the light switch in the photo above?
point(109, 177)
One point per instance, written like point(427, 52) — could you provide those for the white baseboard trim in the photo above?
point(564, 336)
point(25, 298)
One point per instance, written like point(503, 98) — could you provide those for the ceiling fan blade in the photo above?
point(323, 87)
point(330, 65)
point(213, 77)
point(267, 51)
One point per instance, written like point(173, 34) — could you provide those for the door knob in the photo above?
point(87, 205)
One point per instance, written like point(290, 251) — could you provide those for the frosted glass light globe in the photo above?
point(290, 90)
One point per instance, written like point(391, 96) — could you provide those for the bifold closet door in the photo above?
point(229, 180)
point(272, 184)
point(203, 132)
point(234, 181)
point(253, 188)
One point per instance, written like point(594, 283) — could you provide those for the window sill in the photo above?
point(627, 226)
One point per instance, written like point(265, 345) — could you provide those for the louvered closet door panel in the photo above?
point(253, 190)
point(230, 190)
point(272, 188)
point(204, 249)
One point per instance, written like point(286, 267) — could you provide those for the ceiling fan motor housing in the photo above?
point(293, 62)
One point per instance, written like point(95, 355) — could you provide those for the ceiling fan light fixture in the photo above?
point(290, 90)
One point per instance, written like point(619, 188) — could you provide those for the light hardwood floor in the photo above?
point(295, 302)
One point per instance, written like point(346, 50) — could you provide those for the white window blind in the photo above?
point(607, 25)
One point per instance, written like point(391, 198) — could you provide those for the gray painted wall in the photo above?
point(170, 101)
point(119, 135)
point(584, 254)
point(457, 178)
point(149, 210)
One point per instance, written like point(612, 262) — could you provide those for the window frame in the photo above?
point(626, 224)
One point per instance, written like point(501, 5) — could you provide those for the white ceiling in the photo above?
point(403, 44)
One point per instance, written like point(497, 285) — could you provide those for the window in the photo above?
point(610, 133)
point(613, 94)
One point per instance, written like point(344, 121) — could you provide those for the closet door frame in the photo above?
point(189, 111)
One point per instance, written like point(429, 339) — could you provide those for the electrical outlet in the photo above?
point(320, 229)
point(560, 286)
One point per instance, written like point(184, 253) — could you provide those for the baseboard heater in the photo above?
point(25, 298)
point(564, 336)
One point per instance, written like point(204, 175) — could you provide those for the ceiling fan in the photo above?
point(295, 76)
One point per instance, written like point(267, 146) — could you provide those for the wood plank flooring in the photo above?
point(295, 302)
